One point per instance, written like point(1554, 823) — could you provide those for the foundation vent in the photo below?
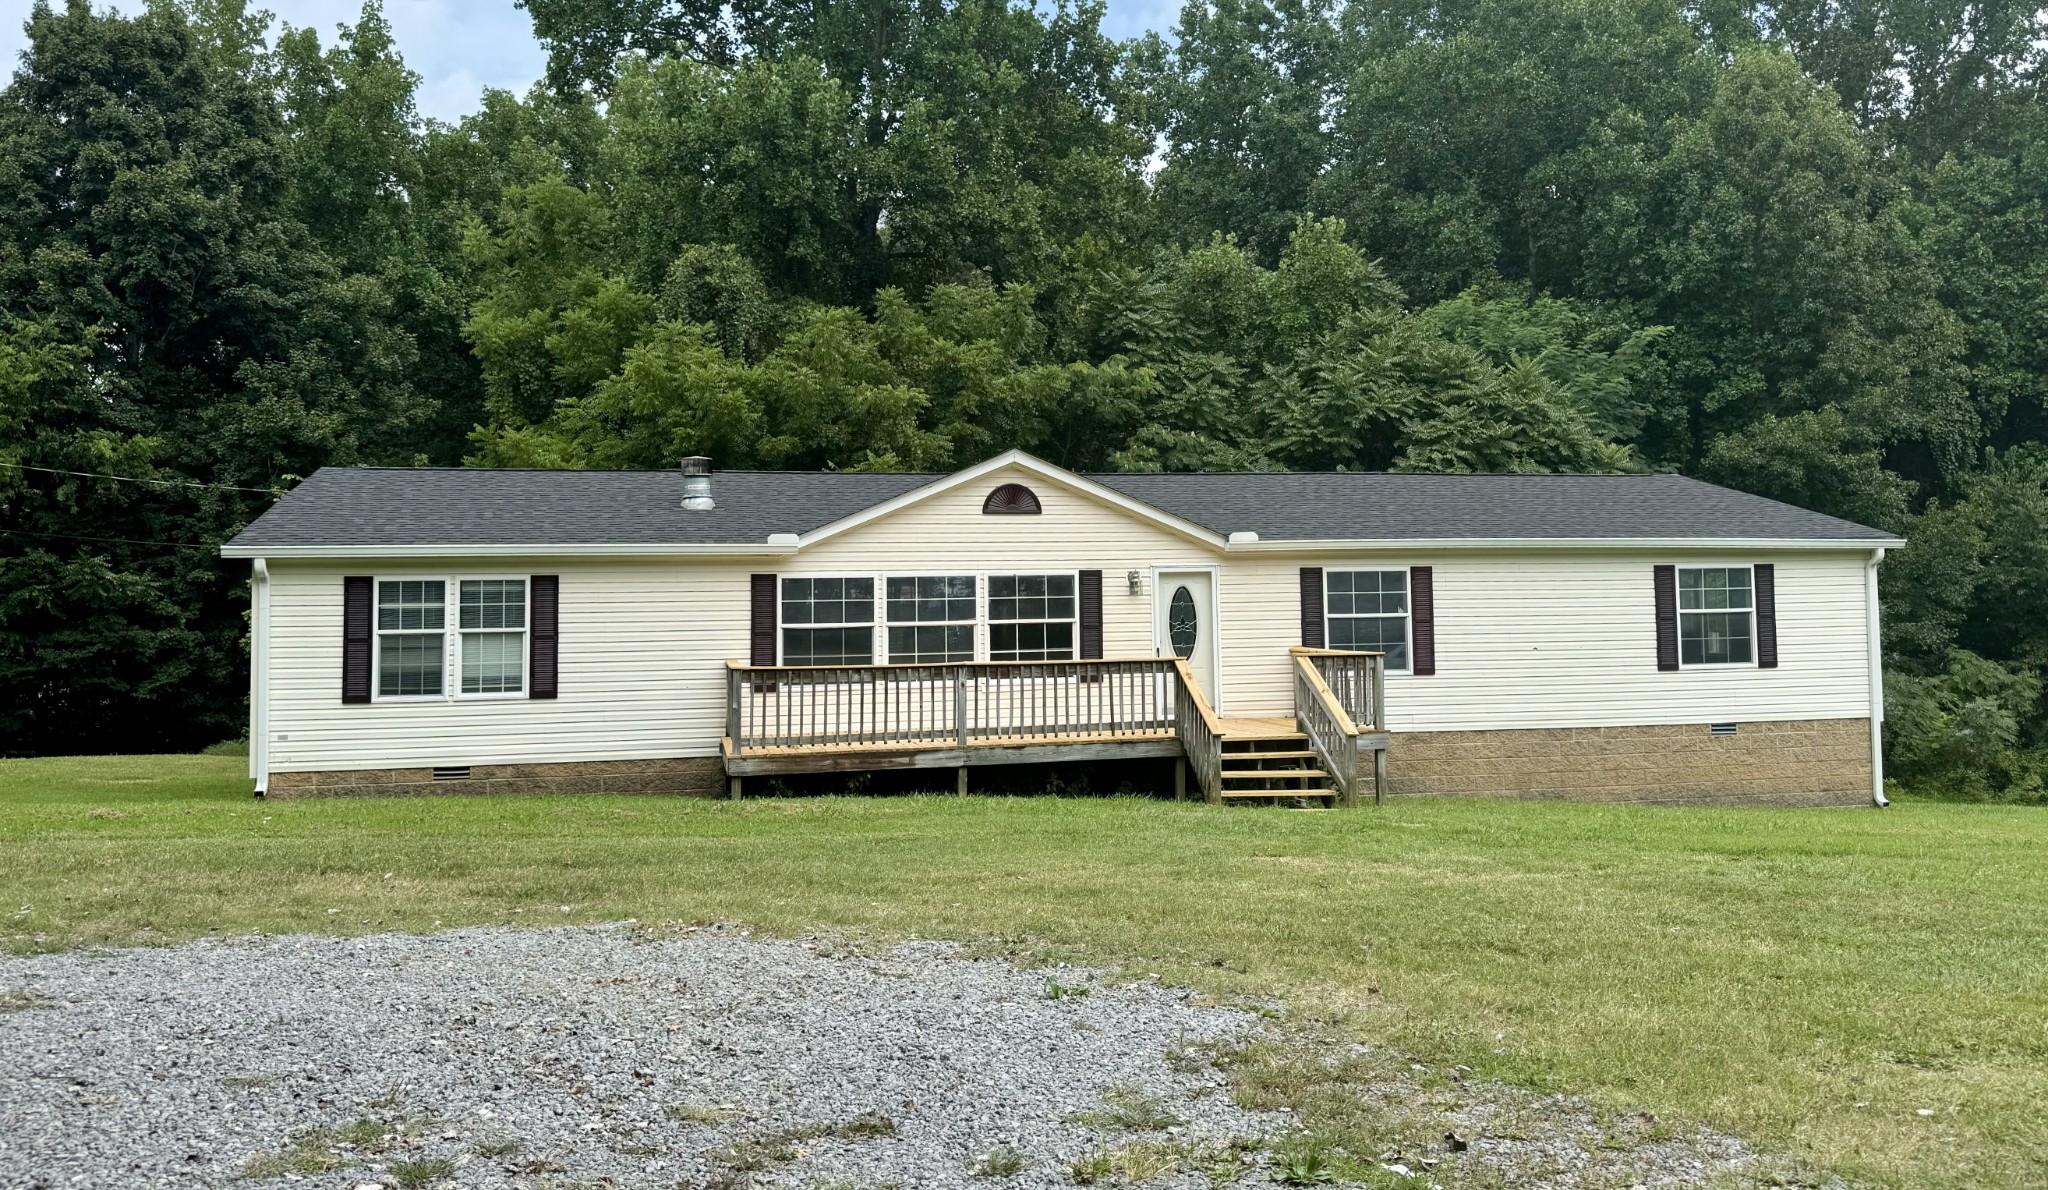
point(454, 772)
point(1720, 729)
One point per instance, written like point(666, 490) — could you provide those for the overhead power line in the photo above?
point(176, 483)
point(177, 545)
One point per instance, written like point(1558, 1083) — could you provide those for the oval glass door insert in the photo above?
point(1181, 623)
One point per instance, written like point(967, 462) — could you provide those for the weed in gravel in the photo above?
point(999, 1162)
point(1133, 1164)
point(1302, 1161)
point(1129, 1109)
point(497, 1147)
point(19, 1000)
point(1091, 1168)
point(1144, 1162)
point(1055, 990)
point(298, 1161)
point(702, 1113)
point(412, 1175)
point(249, 1082)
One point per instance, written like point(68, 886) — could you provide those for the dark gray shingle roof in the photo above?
point(1313, 506)
point(367, 507)
point(364, 506)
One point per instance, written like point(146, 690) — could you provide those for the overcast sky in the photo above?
point(459, 47)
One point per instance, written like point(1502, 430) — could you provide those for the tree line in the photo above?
point(1799, 249)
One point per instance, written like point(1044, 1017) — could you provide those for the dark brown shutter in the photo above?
point(1766, 615)
point(1312, 607)
point(1091, 614)
point(761, 627)
point(1665, 578)
point(356, 632)
point(543, 634)
point(1422, 619)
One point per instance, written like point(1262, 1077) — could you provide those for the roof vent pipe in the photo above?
point(697, 483)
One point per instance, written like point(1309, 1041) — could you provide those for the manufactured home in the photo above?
point(1267, 636)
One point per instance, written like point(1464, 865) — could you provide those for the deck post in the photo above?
point(733, 788)
point(1379, 776)
point(732, 708)
point(1351, 774)
point(1180, 778)
point(961, 787)
point(960, 714)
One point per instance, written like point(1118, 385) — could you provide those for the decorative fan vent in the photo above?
point(1012, 499)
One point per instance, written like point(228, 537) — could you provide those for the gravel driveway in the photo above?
point(589, 1057)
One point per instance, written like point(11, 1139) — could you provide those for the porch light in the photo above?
point(1136, 581)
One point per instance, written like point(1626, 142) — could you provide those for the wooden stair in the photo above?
point(1274, 764)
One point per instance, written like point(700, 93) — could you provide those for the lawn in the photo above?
point(1866, 990)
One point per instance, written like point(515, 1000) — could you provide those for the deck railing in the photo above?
point(1334, 694)
point(1200, 732)
point(1356, 680)
point(953, 705)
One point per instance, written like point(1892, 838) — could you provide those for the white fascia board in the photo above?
point(535, 550)
point(1079, 484)
point(1405, 544)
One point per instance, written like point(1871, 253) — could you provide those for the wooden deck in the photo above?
point(826, 719)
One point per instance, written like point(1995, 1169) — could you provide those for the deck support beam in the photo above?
point(1379, 776)
point(961, 787)
point(1180, 779)
point(733, 788)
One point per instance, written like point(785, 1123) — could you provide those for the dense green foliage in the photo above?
point(1800, 251)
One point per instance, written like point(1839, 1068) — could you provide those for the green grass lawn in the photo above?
point(1812, 980)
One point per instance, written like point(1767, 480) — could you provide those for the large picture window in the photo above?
point(492, 620)
point(931, 619)
point(1367, 611)
point(1031, 617)
point(412, 622)
point(828, 621)
point(1716, 616)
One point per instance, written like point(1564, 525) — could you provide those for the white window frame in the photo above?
point(1678, 570)
point(989, 622)
point(451, 638)
point(1407, 616)
point(456, 632)
point(378, 632)
point(973, 622)
point(878, 631)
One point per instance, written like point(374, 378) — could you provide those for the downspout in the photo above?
point(259, 675)
point(1876, 663)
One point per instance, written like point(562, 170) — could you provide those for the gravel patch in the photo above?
point(592, 1057)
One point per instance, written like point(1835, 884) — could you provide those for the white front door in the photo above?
point(1184, 622)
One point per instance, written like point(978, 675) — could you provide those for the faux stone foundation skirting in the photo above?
point(699, 776)
point(1808, 762)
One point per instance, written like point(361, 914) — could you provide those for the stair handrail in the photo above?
point(1331, 733)
point(1367, 706)
point(1200, 732)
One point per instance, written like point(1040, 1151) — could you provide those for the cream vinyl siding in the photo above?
point(642, 656)
point(1564, 640)
point(949, 534)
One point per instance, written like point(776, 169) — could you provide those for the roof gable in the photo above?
point(1035, 468)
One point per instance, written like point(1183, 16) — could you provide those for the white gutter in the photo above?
point(533, 550)
point(1876, 663)
point(259, 675)
point(1690, 544)
point(786, 545)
